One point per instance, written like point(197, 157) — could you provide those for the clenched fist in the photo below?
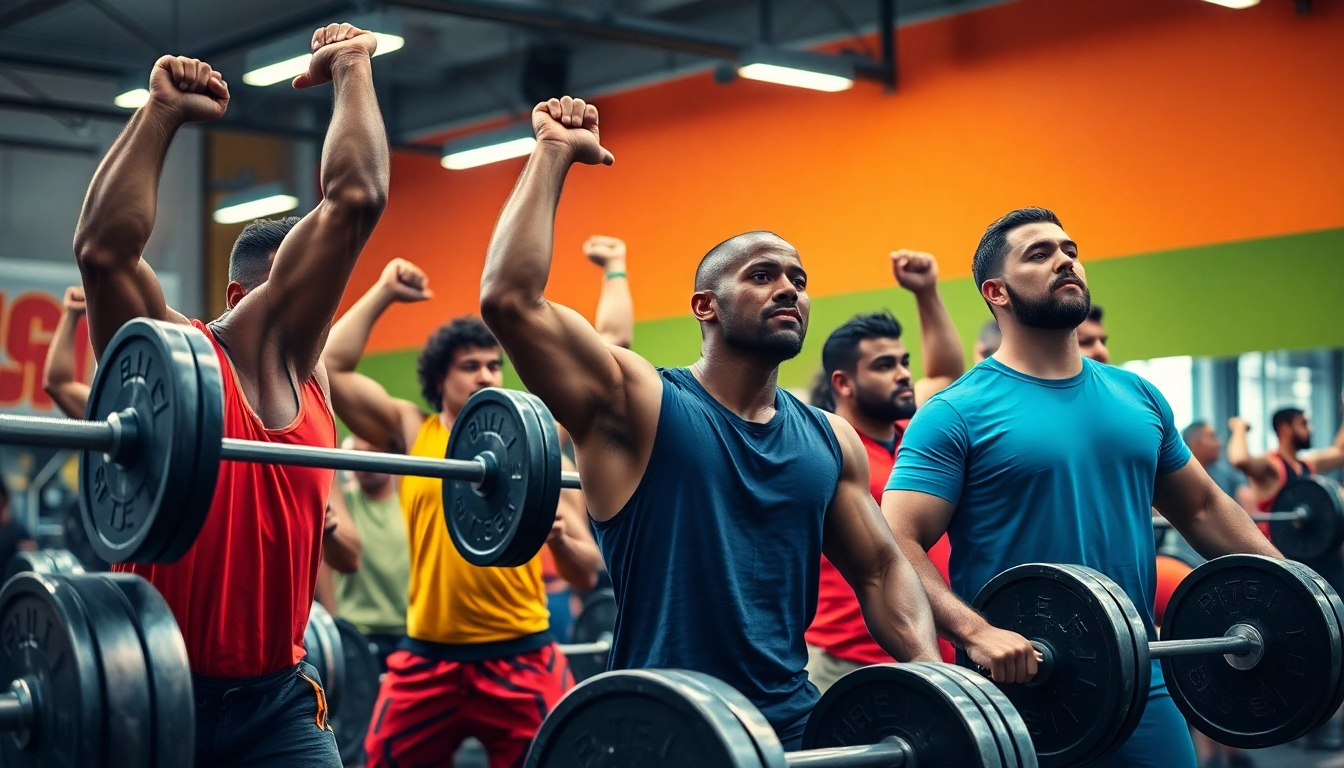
point(1009, 657)
point(572, 125)
point(1238, 424)
point(331, 44)
point(189, 88)
point(915, 271)
point(73, 301)
point(602, 250)
point(404, 282)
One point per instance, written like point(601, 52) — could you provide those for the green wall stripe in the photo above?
point(1218, 300)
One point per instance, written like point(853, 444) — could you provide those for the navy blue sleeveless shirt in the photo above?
point(716, 557)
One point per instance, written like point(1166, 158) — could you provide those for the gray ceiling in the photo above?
point(462, 63)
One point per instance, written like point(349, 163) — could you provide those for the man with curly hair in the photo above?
point(479, 658)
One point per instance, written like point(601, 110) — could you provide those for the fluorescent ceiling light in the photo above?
point(488, 147)
point(798, 78)
point(800, 69)
point(134, 98)
point(277, 62)
point(1235, 3)
point(255, 203)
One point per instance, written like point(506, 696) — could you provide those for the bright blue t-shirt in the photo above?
point(1046, 471)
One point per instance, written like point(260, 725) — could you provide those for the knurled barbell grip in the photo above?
point(892, 753)
point(70, 434)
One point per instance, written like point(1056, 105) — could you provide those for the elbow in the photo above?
point(93, 255)
point(363, 201)
point(499, 302)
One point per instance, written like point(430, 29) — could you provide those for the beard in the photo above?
point(754, 336)
point(885, 409)
point(1055, 313)
point(1302, 443)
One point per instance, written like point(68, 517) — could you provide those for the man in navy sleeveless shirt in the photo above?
point(710, 488)
point(1038, 455)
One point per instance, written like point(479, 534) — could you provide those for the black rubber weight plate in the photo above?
point(990, 714)
point(47, 642)
point(1337, 610)
point(537, 521)
point(209, 444)
point(1322, 532)
point(174, 721)
point(768, 748)
point(595, 621)
point(1284, 695)
point(913, 702)
point(1016, 728)
point(641, 718)
point(128, 741)
point(351, 723)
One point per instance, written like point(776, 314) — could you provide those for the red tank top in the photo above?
point(242, 593)
point(1286, 474)
point(838, 628)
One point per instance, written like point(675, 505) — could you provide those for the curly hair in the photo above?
point(442, 345)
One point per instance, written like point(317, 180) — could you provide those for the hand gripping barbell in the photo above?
point(152, 442)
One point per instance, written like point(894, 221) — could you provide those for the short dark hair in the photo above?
point(1191, 432)
point(442, 345)
point(715, 263)
point(1284, 417)
point(992, 251)
point(250, 259)
point(841, 351)
point(1095, 313)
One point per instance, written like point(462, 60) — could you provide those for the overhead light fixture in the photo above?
point(800, 69)
point(488, 147)
point(255, 203)
point(132, 93)
point(277, 62)
point(1234, 3)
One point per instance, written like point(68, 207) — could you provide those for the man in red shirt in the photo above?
point(868, 370)
point(242, 594)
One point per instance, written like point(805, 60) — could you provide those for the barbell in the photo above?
point(1251, 653)
point(152, 441)
point(887, 715)
point(1306, 520)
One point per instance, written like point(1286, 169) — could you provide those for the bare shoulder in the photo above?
point(851, 447)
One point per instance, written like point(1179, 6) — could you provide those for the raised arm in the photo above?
point(341, 544)
point(1258, 469)
point(386, 422)
point(557, 354)
point(860, 545)
point(940, 345)
point(1331, 458)
point(295, 306)
point(615, 321)
point(122, 202)
point(1213, 523)
point(58, 374)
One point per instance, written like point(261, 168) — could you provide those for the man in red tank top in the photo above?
point(243, 592)
point(867, 379)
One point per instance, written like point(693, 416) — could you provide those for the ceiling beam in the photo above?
point(25, 11)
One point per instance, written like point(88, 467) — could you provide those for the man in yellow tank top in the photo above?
point(479, 658)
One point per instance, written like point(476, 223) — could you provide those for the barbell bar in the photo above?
point(1300, 513)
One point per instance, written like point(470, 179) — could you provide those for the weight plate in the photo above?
point(1143, 667)
point(129, 740)
point(487, 521)
point(359, 695)
point(47, 643)
point(65, 561)
point(536, 523)
point(768, 749)
point(1284, 695)
point(322, 646)
point(1078, 710)
point(596, 621)
point(1322, 531)
point(131, 506)
point(174, 713)
point(1337, 610)
point(209, 444)
point(1014, 732)
point(914, 702)
point(641, 718)
point(990, 714)
point(35, 560)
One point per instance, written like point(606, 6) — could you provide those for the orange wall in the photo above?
point(1147, 124)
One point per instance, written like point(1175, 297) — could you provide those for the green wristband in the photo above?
point(610, 275)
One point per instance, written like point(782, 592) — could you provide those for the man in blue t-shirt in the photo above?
point(1038, 455)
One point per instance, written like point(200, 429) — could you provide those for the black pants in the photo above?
point(274, 720)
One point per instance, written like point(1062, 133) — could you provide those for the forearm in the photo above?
point(897, 613)
point(518, 261)
point(355, 165)
point(577, 561)
point(350, 334)
point(1222, 527)
point(341, 545)
point(615, 308)
point(119, 209)
point(59, 369)
point(326, 589)
point(1238, 454)
point(955, 620)
point(940, 345)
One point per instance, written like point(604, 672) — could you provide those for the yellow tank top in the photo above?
point(451, 600)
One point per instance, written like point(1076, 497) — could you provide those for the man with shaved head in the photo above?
point(713, 491)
